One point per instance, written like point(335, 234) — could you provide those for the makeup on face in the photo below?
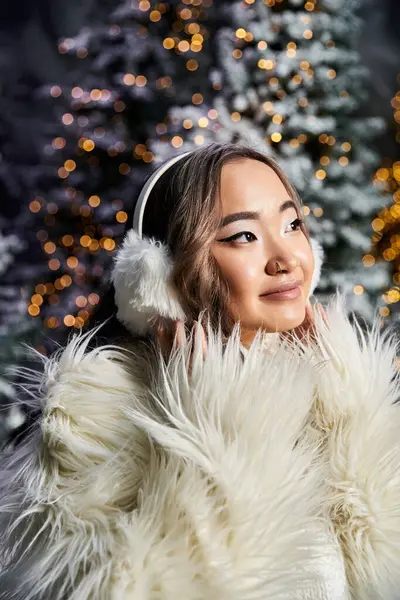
point(260, 227)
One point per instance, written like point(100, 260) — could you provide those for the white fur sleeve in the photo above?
point(62, 490)
point(357, 409)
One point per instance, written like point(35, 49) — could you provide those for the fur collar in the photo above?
point(258, 476)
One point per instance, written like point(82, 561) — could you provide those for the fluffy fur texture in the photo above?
point(143, 290)
point(318, 253)
point(256, 476)
point(358, 418)
point(142, 267)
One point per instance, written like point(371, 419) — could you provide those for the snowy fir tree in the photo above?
point(21, 257)
point(149, 80)
point(15, 328)
point(386, 238)
point(291, 81)
point(123, 83)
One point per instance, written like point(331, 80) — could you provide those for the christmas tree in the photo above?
point(15, 328)
point(291, 81)
point(148, 81)
point(20, 259)
point(123, 84)
point(387, 222)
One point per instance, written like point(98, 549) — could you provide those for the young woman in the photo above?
point(228, 440)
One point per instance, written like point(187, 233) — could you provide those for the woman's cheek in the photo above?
point(243, 273)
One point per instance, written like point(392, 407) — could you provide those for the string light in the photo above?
point(386, 240)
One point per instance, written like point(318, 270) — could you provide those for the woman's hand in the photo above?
point(171, 334)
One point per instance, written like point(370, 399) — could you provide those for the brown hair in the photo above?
point(182, 212)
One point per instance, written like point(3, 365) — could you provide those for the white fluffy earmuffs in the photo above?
point(142, 268)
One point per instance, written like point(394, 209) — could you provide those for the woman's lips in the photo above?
point(286, 295)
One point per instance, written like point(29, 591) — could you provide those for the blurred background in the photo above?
point(94, 94)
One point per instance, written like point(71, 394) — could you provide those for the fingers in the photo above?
point(172, 334)
point(322, 312)
point(311, 310)
point(309, 316)
point(161, 333)
point(179, 334)
point(200, 335)
point(203, 341)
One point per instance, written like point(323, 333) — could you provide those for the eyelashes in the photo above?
point(298, 222)
point(234, 238)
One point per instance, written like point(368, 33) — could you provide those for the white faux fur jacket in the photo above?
point(258, 475)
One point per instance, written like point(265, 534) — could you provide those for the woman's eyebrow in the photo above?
point(253, 215)
point(287, 204)
point(240, 216)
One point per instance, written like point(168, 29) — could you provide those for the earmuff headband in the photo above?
point(146, 191)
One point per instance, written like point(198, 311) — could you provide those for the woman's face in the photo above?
point(248, 246)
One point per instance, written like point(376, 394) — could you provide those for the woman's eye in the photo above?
point(247, 235)
point(297, 223)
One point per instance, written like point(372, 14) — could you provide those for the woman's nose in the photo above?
point(284, 262)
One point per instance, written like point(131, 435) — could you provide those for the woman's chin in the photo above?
point(285, 316)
